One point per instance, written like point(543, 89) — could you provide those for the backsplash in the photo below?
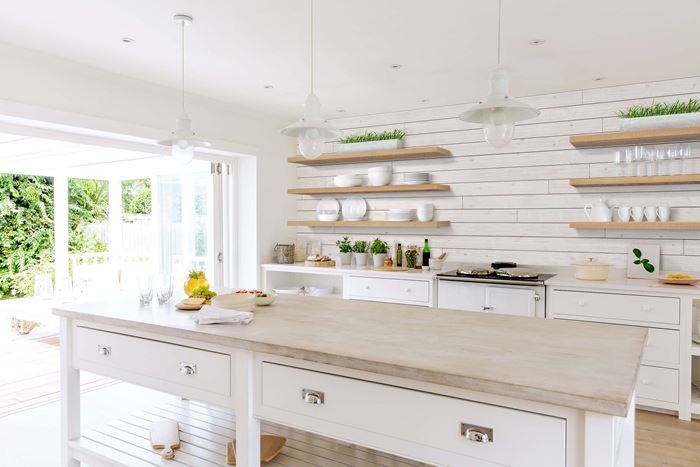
point(514, 203)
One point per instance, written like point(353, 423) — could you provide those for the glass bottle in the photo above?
point(399, 254)
point(426, 253)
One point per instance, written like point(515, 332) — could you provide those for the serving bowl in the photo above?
point(269, 297)
point(234, 301)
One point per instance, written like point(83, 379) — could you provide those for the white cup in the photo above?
point(624, 213)
point(650, 213)
point(664, 213)
point(638, 213)
point(424, 212)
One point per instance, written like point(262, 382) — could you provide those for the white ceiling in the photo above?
point(447, 47)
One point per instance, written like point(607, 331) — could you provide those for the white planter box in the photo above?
point(369, 145)
point(660, 121)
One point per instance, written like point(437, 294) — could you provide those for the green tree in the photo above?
point(136, 196)
point(88, 203)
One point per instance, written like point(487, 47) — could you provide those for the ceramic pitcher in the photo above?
point(598, 212)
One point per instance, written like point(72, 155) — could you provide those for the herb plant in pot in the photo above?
point(371, 141)
point(345, 250)
point(678, 114)
point(379, 249)
point(359, 252)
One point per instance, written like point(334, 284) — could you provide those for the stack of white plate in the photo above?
point(347, 180)
point(416, 178)
point(354, 209)
point(401, 214)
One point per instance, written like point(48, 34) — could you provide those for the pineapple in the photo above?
point(196, 279)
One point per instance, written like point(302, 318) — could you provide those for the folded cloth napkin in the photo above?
point(213, 315)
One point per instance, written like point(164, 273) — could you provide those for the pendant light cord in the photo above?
point(182, 78)
point(312, 46)
point(499, 32)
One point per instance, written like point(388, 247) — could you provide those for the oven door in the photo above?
point(518, 301)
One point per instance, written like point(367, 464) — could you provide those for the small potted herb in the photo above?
point(345, 250)
point(379, 249)
point(359, 252)
point(371, 141)
point(678, 114)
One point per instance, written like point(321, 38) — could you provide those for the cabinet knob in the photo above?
point(188, 368)
point(478, 434)
point(104, 350)
point(311, 396)
point(488, 308)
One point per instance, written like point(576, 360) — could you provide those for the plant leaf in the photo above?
point(649, 267)
point(645, 261)
point(637, 252)
point(637, 261)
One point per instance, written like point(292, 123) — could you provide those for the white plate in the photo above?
point(354, 208)
point(327, 207)
point(346, 181)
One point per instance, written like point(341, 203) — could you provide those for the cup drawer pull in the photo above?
point(105, 350)
point(188, 368)
point(478, 434)
point(313, 397)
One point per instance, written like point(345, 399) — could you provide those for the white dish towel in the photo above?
point(213, 315)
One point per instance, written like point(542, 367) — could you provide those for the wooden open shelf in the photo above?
point(630, 181)
point(399, 224)
point(623, 138)
point(636, 225)
point(369, 189)
point(373, 156)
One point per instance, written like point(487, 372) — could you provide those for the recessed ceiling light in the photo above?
point(127, 40)
point(268, 86)
point(599, 78)
point(396, 66)
point(537, 42)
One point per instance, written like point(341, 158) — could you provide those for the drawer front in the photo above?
point(377, 288)
point(665, 310)
point(660, 384)
point(184, 366)
point(663, 346)
point(517, 437)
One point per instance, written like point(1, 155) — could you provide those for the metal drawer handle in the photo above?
point(478, 434)
point(188, 368)
point(104, 350)
point(313, 397)
point(537, 297)
point(487, 308)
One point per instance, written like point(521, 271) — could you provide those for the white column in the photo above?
point(70, 395)
point(60, 221)
point(156, 232)
point(247, 426)
point(115, 224)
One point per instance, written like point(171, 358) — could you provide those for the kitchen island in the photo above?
point(438, 386)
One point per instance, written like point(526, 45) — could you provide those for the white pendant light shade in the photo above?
point(312, 130)
point(183, 140)
point(499, 112)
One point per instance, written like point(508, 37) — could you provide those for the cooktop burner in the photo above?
point(507, 273)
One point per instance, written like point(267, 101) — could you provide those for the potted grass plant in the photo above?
point(345, 249)
point(371, 141)
point(379, 249)
point(678, 114)
point(359, 252)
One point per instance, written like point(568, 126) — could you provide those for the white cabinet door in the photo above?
point(519, 301)
point(465, 296)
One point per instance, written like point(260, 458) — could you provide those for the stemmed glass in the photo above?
point(164, 290)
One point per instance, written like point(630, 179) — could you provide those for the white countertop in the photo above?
point(617, 280)
point(363, 270)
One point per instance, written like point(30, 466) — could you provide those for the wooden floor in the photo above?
point(664, 441)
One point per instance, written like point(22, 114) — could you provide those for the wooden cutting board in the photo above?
point(270, 446)
point(165, 434)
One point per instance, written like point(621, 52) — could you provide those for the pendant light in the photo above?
point(499, 112)
point(312, 130)
point(183, 140)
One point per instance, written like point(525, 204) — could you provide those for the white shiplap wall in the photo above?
point(514, 203)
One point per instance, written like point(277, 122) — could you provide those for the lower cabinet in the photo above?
point(380, 289)
point(478, 434)
point(658, 384)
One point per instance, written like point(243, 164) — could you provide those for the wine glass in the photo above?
point(164, 288)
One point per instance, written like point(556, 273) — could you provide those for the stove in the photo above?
point(498, 273)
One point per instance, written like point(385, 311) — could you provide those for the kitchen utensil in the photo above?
point(354, 209)
point(638, 213)
point(347, 180)
point(425, 212)
point(664, 213)
point(235, 301)
point(598, 212)
point(688, 280)
point(650, 213)
point(165, 435)
point(435, 264)
point(270, 447)
point(503, 264)
point(624, 213)
point(442, 256)
point(285, 253)
point(327, 209)
point(591, 270)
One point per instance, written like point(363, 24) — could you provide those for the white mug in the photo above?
point(638, 213)
point(664, 213)
point(424, 212)
point(624, 213)
point(650, 213)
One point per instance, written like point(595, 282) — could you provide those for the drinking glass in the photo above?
point(639, 165)
point(673, 160)
point(662, 161)
point(684, 155)
point(650, 160)
point(164, 290)
point(145, 290)
point(629, 162)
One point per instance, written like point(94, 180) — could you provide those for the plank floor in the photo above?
point(204, 432)
point(664, 441)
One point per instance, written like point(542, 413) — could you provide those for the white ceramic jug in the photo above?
point(598, 212)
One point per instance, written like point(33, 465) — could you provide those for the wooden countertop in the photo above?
point(586, 366)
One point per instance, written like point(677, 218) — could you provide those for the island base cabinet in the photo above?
point(455, 431)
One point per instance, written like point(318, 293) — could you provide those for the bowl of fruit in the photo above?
point(679, 279)
point(262, 297)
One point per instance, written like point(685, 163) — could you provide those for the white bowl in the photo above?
point(301, 290)
point(346, 181)
point(436, 264)
point(267, 300)
point(379, 178)
point(234, 301)
point(380, 169)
